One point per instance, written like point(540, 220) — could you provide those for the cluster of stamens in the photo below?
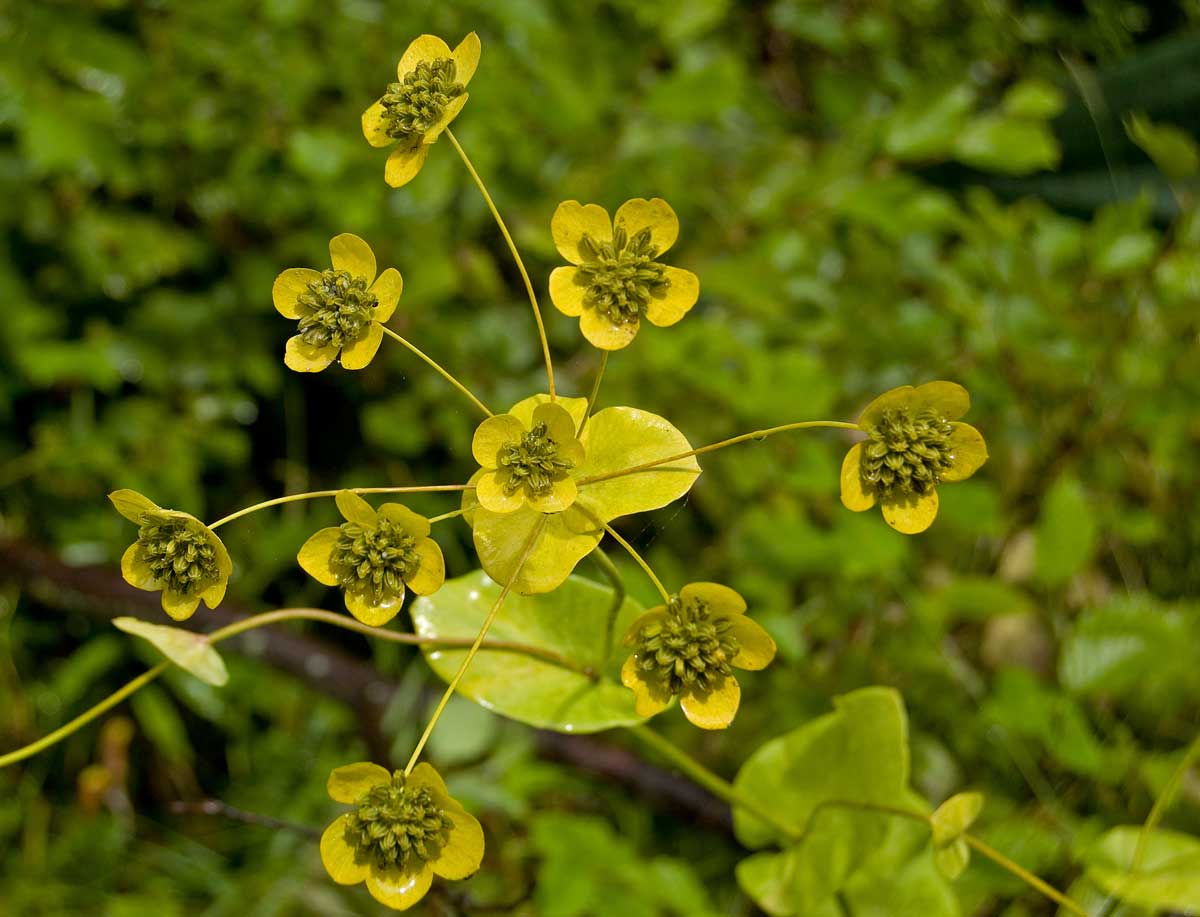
point(397, 825)
point(689, 648)
point(533, 462)
point(907, 452)
point(178, 552)
point(416, 103)
point(337, 309)
point(374, 562)
point(621, 276)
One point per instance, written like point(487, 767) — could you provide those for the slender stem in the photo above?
point(224, 810)
point(1163, 802)
point(512, 247)
point(591, 405)
point(438, 367)
point(526, 550)
point(707, 779)
point(666, 596)
point(713, 447)
point(316, 494)
point(609, 569)
point(444, 516)
point(84, 718)
point(1024, 875)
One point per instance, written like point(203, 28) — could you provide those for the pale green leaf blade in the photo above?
point(1066, 532)
point(500, 539)
point(1167, 878)
point(952, 859)
point(1173, 150)
point(190, 651)
point(955, 816)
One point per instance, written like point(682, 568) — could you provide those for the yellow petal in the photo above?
point(566, 292)
point(362, 351)
point(466, 58)
point(346, 784)
point(649, 698)
point(523, 409)
point(676, 300)
point(714, 710)
point(560, 426)
point(604, 333)
point(131, 504)
point(493, 435)
point(431, 573)
point(339, 857)
point(399, 890)
point(654, 214)
point(910, 514)
point(562, 494)
point(426, 775)
point(449, 113)
point(571, 221)
point(657, 613)
point(404, 162)
point(351, 254)
point(854, 495)
point(901, 396)
point(224, 561)
point(720, 599)
point(387, 290)
point(305, 358)
point(355, 509)
point(756, 649)
point(970, 452)
point(180, 607)
point(374, 127)
point(948, 399)
point(464, 850)
point(491, 493)
point(214, 595)
point(371, 613)
point(421, 48)
point(136, 571)
point(289, 286)
point(315, 554)
point(413, 523)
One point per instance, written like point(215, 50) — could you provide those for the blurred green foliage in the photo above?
point(1001, 193)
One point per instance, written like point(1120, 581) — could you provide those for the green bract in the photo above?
point(949, 822)
point(191, 652)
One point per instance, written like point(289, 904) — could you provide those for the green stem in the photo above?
point(713, 447)
point(1024, 875)
point(512, 247)
point(641, 562)
point(1163, 802)
point(316, 494)
point(438, 367)
point(610, 571)
point(454, 514)
point(591, 405)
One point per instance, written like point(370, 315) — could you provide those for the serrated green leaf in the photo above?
point(1167, 878)
point(190, 651)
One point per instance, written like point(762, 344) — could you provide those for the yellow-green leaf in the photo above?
point(1167, 877)
point(190, 651)
point(954, 816)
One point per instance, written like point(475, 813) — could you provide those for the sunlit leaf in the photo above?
point(1167, 877)
point(189, 651)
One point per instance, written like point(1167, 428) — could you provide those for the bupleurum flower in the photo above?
point(914, 443)
point(401, 832)
point(176, 553)
point(527, 464)
point(616, 279)
point(689, 648)
point(339, 310)
point(430, 91)
point(373, 556)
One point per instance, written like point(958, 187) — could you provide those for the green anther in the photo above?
point(178, 552)
point(690, 648)
point(534, 462)
point(337, 309)
point(417, 103)
point(374, 562)
point(621, 276)
point(907, 452)
point(397, 825)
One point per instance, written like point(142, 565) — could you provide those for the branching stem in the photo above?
point(445, 374)
point(317, 494)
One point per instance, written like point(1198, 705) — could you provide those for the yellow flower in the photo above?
point(616, 278)
point(373, 556)
point(176, 553)
point(690, 648)
point(914, 444)
point(340, 310)
point(527, 464)
point(431, 91)
point(402, 832)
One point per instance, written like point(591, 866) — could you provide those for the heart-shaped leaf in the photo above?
point(190, 651)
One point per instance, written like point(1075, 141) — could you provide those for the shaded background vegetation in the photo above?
point(873, 194)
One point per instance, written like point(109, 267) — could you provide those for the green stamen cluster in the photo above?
point(374, 561)
point(621, 276)
point(337, 309)
point(178, 552)
point(417, 103)
point(533, 462)
point(908, 452)
point(398, 825)
point(690, 648)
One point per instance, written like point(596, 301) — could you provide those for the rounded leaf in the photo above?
point(955, 816)
point(190, 651)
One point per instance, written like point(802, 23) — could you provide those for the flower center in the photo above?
point(689, 648)
point(337, 309)
point(416, 103)
point(178, 552)
point(621, 276)
point(398, 825)
point(533, 462)
point(374, 561)
point(908, 452)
